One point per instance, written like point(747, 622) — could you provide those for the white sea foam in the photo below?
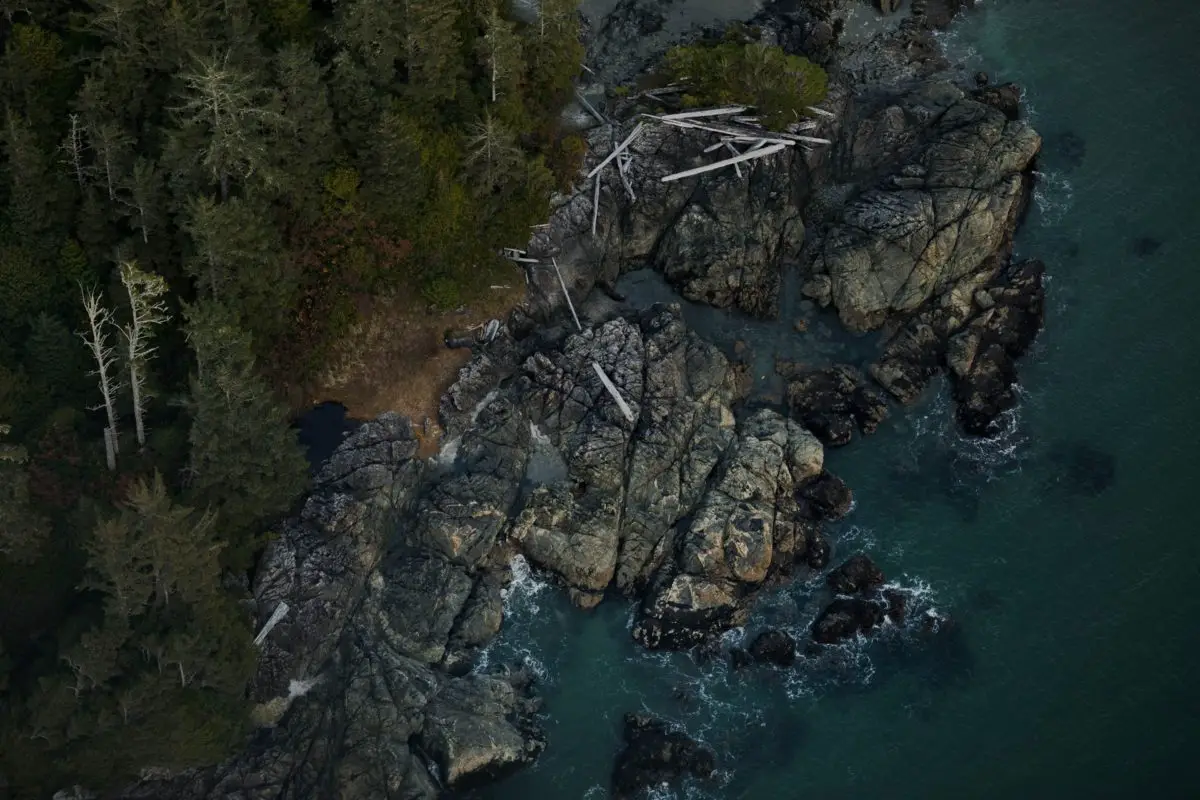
point(1053, 195)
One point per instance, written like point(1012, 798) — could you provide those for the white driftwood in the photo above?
point(707, 112)
point(674, 88)
point(566, 294)
point(595, 205)
point(612, 389)
point(766, 151)
point(726, 130)
point(279, 613)
point(589, 107)
point(616, 151)
point(822, 112)
point(718, 145)
point(623, 169)
point(811, 139)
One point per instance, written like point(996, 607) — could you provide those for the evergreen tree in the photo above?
point(307, 152)
point(232, 111)
point(139, 192)
point(245, 459)
point(432, 48)
point(237, 260)
point(499, 50)
point(55, 359)
point(23, 531)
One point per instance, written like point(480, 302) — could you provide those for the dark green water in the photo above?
point(1074, 674)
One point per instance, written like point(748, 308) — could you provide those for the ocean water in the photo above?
point(1067, 549)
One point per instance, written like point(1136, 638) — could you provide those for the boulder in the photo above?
point(857, 575)
point(983, 355)
point(774, 647)
point(833, 402)
point(847, 618)
point(825, 497)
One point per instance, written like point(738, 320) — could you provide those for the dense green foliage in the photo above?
point(735, 71)
point(272, 162)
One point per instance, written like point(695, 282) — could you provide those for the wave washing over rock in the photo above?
point(703, 502)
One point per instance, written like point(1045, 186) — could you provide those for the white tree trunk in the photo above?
point(96, 339)
point(146, 309)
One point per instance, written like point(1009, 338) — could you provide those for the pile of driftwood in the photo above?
point(742, 137)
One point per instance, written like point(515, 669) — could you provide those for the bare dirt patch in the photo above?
point(396, 359)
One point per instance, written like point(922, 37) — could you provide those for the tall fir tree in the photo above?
point(245, 461)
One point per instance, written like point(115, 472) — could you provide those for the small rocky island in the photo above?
point(698, 497)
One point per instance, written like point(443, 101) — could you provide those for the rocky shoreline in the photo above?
point(395, 568)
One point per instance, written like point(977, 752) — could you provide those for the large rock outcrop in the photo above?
point(932, 222)
point(745, 521)
point(389, 587)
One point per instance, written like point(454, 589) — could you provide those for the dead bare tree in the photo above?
point(146, 310)
point(74, 146)
point(96, 339)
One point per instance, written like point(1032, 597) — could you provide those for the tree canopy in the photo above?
point(194, 197)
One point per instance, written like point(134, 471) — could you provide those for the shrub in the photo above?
point(779, 86)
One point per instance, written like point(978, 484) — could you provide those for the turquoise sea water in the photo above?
point(1074, 674)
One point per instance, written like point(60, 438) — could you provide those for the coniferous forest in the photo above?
point(192, 195)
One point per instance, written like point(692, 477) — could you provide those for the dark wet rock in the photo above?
point(655, 754)
point(826, 497)
point(1068, 149)
point(774, 647)
point(818, 552)
point(978, 346)
point(982, 356)
point(833, 402)
point(1145, 246)
point(897, 605)
point(1081, 468)
point(1005, 98)
point(847, 618)
point(857, 575)
point(939, 13)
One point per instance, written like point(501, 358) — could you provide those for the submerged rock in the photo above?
point(654, 754)
point(1081, 468)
